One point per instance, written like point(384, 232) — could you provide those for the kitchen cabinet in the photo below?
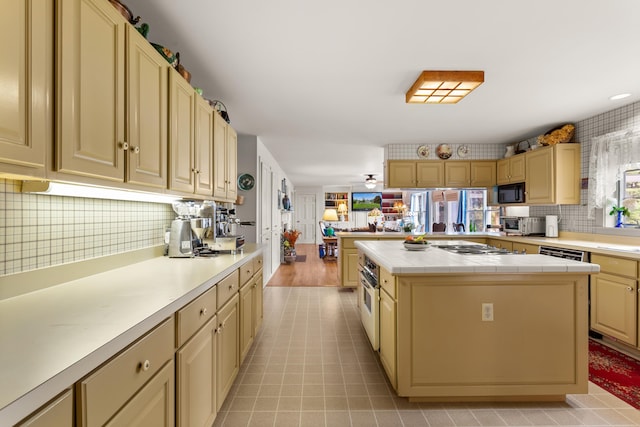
point(143, 376)
point(225, 154)
point(483, 173)
point(228, 348)
point(511, 170)
point(526, 248)
point(246, 302)
point(501, 244)
point(614, 300)
point(58, 413)
point(26, 114)
point(196, 329)
point(111, 95)
point(553, 175)
point(415, 174)
point(203, 146)
point(348, 267)
point(457, 174)
point(430, 174)
point(258, 289)
point(388, 326)
point(196, 378)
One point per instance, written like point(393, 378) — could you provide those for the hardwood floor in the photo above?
point(313, 272)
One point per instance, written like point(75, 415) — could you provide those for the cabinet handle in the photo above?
point(230, 287)
point(248, 271)
point(136, 150)
point(629, 288)
point(124, 146)
point(203, 311)
point(145, 365)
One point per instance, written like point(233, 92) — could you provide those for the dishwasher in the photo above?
point(573, 254)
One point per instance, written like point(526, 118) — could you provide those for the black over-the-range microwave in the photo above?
point(511, 193)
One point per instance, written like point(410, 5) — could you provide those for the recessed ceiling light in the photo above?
point(620, 96)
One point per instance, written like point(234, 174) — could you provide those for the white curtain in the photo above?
point(611, 155)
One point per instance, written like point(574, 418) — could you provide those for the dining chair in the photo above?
point(458, 227)
point(439, 226)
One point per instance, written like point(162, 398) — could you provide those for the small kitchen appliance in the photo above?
point(190, 229)
point(551, 226)
point(523, 226)
point(181, 239)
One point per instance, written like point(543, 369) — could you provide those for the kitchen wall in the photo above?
point(38, 231)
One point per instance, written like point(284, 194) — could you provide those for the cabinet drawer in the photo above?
point(257, 264)
point(195, 314)
point(387, 282)
point(615, 265)
point(246, 272)
point(227, 288)
point(105, 391)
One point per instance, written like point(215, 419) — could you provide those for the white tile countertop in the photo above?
point(397, 260)
point(53, 337)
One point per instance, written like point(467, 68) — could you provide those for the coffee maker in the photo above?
point(189, 230)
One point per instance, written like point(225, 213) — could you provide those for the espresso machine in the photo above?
point(191, 228)
point(227, 238)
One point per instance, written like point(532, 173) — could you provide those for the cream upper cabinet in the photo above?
point(90, 138)
point(457, 174)
point(181, 134)
point(510, 170)
point(225, 143)
point(430, 174)
point(553, 175)
point(103, 65)
point(483, 173)
point(203, 147)
point(401, 173)
point(614, 304)
point(26, 72)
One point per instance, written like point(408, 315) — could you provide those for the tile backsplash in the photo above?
point(38, 231)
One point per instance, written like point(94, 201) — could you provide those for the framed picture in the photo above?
point(284, 186)
point(279, 199)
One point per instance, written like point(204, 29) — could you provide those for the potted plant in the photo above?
point(620, 212)
point(289, 238)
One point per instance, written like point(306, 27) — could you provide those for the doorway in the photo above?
point(306, 217)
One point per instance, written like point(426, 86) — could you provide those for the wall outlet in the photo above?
point(487, 312)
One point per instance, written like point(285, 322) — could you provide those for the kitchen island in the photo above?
point(481, 327)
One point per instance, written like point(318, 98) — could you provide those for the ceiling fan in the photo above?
point(370, 182)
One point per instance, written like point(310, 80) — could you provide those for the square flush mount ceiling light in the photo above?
point(443, 87)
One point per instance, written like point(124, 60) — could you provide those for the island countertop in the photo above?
point(393, 257)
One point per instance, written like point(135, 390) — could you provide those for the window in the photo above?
point(631, 196)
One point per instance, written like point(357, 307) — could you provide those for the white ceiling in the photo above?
point(322, 83)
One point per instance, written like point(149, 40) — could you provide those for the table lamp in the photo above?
point(330, 215)
point(342, 210)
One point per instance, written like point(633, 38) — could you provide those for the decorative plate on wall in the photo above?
point(463, 151)
point(246, 182)
point(423, 151)
point(444, 151)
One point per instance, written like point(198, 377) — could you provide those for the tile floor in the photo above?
point(311, 365)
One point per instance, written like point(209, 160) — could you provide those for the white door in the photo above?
point(306, 217)
point(266, 210)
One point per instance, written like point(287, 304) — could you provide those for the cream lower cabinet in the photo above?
point(553, 175)
point(58, 413)
point(135, 388)
point(196, 378)
point(225, 146)
point(26, 128)
point(388, 343)
point(349, 267)
point(246, 318)
point(228, 348)
point(501, 244)
point(258, 305)
point(111, 92)
point(525, 248)
point(614, 299)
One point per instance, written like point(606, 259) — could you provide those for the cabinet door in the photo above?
point(349, 267)
point(502, 172)
point(90, 87)
point(430, 173)
point(388, 336)
point(153, 405)
point(246, 320)
point(614, 306)
point(181, 134)
point(517, 168)
point(58, 413)
point(457, 174)
point(258, 308)
point(232, 164)
point(483, 174)
point(227, 357)
point(27, 74)
point(196, 378)
point(219, 160)
point(401, 173)
point(540, 183)
point(147, 100)
point(526, 248)
point(203, 147)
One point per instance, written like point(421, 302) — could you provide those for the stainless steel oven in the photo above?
point(369, 300)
